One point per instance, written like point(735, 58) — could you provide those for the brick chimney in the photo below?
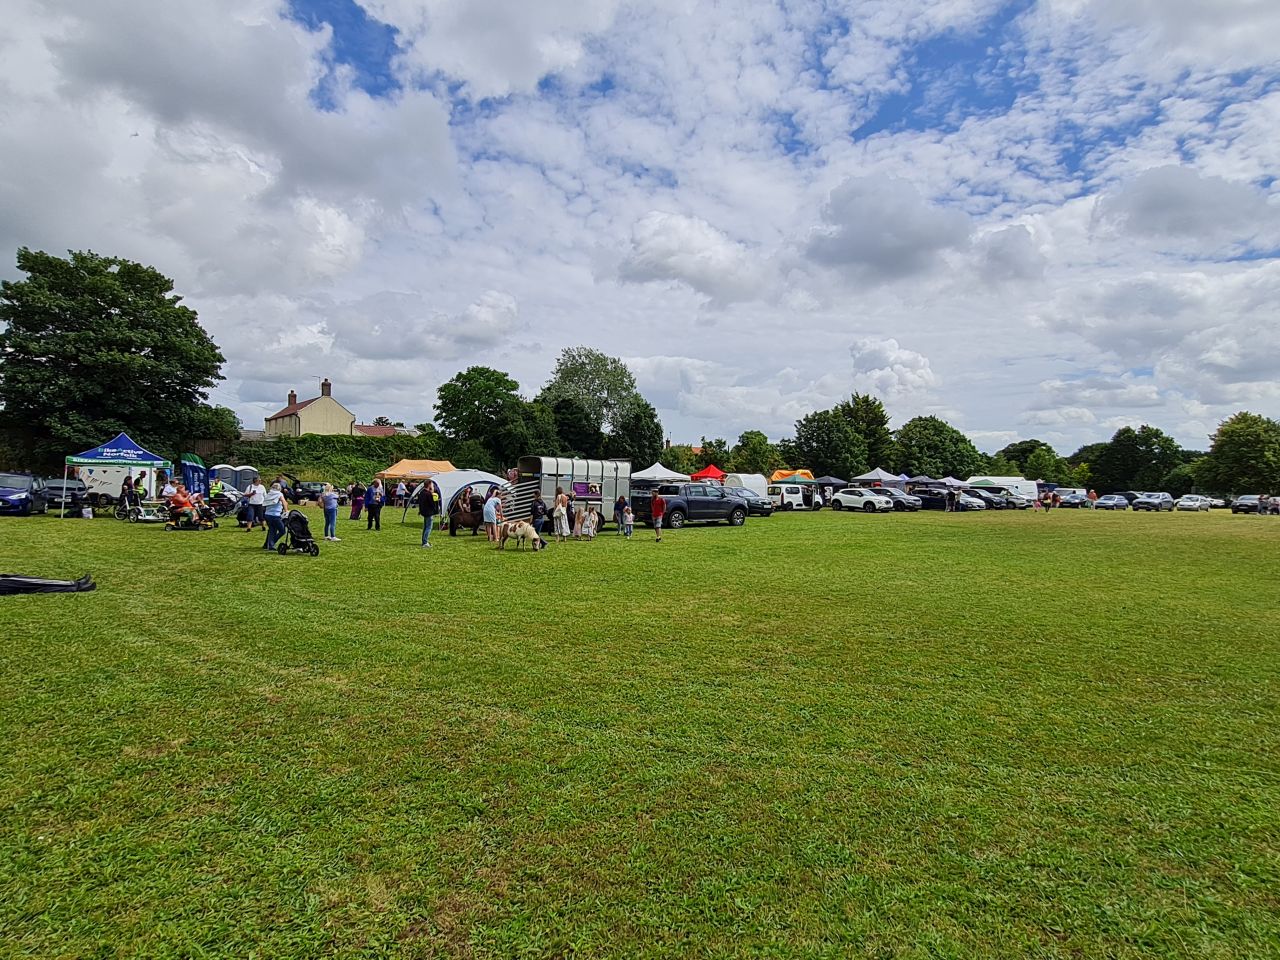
point(293, 397)
point(326, 388)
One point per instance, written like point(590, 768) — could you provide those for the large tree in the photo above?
point(867, 416)
point(603, 385)
point(95, 345)
point(753, 453)
point(1043, 464)
point(1020, 451)
point(636, 437)
point(1135, 460)
point(828, 445)
point(714, 451)
point(930, 446)
point(480, 409)
point(1244, 456)
point(577, 428)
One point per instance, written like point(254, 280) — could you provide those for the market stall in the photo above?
point(101, 468)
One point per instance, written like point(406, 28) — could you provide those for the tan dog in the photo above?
point(520, 531)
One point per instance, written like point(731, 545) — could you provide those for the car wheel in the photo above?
point(737, 518)
point(675, 519)
point(788, 506)
point(868, 508)
point(837, 505)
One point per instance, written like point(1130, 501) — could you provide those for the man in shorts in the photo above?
point(658, 509)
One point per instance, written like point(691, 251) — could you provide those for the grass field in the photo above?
point(814, 736)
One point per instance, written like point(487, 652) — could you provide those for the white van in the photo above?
point(789, 496)
point(1019, 485)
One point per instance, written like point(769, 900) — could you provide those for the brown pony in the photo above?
point(471, 515)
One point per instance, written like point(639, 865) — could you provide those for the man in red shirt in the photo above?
point(658, 509)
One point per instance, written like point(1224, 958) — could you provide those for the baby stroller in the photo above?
point(297, 535)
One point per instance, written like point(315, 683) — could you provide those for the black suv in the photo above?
point(690, 503)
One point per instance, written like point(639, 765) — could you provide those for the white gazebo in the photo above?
point(659, 473)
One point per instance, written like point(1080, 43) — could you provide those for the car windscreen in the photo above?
point(15, 480)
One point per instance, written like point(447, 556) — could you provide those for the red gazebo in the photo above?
point(710, 473)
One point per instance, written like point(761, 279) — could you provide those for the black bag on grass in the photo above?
point(11, 583)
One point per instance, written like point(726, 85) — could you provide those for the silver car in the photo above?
point(1193, 501)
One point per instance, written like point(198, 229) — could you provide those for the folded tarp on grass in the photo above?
point(11, 583)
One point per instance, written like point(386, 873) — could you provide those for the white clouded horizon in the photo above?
point(1059, 221)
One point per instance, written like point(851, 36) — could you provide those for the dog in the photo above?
point(520, 531)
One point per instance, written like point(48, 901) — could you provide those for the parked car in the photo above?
point(1153, 501)
point(1217, 503)
point(860, 498)
point(788, 496)
point(990, 500)
point(1112, 501)
point(967, 502)
point(691, 503)
point(1192, 501)
point(901, 501)
point(1245, 504)
point(931, 498)
point(64, 494)
point(757, 506)
point(1075, 500)
point(22, 494)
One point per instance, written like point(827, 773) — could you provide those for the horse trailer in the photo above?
point(598, 482)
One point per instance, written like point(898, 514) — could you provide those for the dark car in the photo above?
point(1246, 504)
point(993, 500)
point(901, 501)
point(931, 499)
point(1074, 500)
point(757, 506)
point(64, 494)
point(690, 503)
point(22, 494)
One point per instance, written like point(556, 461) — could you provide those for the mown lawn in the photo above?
point(814, 736)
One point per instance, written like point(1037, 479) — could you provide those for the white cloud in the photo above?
point(668, 246)
point(887, 370)
point(879, 228)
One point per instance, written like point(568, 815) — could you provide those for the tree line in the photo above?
point(91, 346)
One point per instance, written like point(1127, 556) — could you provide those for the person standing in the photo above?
point(658, 509)
point(491, 508)
point(273, 512)
point(619, 508)
point(126, 492)
point(257, 495)
point(329, 500)
point(628, 523)
point(1093, 499)
point(538, 515)
point(373, 500)
point(560, 515)
point(357, 499)
point(428, 507)
point(401, 492)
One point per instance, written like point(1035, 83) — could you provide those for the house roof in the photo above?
point(292, 408)
point(370, 430)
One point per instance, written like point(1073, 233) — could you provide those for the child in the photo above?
point(589, 524)
point(628, 522)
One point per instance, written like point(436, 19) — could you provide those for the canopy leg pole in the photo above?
point(63, 515)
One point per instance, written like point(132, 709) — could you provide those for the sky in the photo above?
point(1033, 219)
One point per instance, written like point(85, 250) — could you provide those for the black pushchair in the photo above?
point(297, 535)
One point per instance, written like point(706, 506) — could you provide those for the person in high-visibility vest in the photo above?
point(215, 488)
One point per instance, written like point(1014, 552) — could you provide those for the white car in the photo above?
point(1193, 501)
point(860, 498)
point(967, 502)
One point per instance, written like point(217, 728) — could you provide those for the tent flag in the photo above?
point(195, 475)
point(792, 476)
point(121, 452)
point(711, 472)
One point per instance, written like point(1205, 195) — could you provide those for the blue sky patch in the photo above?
point(367, 46)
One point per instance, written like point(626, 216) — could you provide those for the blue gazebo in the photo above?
point(119, 452)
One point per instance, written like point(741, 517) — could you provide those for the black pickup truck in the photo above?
point(690, 503)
